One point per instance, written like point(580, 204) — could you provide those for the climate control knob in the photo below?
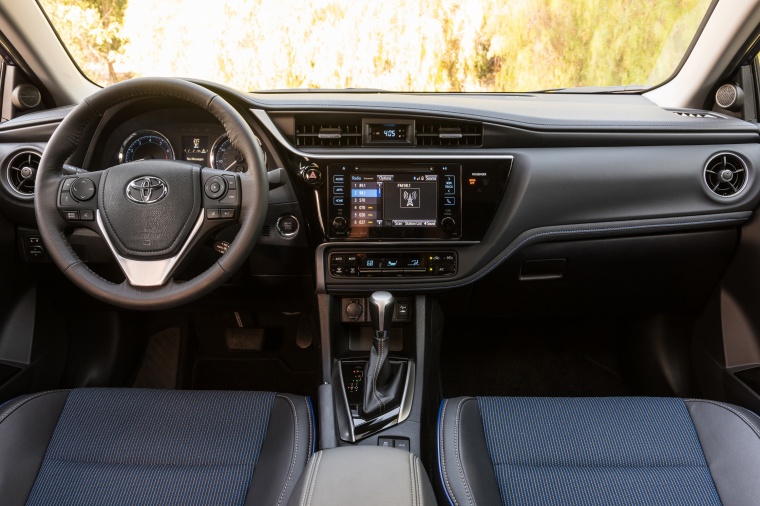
point(339, 224)
point(448, 224)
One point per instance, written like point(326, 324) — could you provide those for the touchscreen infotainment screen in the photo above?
point(394, 200)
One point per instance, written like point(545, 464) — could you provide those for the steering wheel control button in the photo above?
point(312, 175)
point(83, 189)
point(71, 215)
point(215, 187)
point(67, 200)
point(227, 213)
point(287, 226)
point(231, 181)
point(87, 215)
point(231, 199)
point(67, 184)
point(212, 214)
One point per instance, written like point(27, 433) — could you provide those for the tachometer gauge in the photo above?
point(146, 145)
point(224, 156)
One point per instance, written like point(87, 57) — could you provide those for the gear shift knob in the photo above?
point(381, 305)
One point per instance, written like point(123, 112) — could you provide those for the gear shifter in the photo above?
point(382, 380)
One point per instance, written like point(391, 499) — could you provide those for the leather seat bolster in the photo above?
point(367, 475)
point(463, 459)
point(26, 428)
point(288, 444)
point(730, 439)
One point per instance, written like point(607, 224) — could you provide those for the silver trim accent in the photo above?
point(291, 235)
point(147, 198)
point(710, 161)
point(266, 121)
point(346, 426)
point(408, 395)
point(141, 133)
point(218, 143)
point(382, 300)
point(8, 169)
point(149, 272)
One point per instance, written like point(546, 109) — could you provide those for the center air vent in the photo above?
point(726, 174)
point(21, 172)
point(316, 134)
point(449, 133)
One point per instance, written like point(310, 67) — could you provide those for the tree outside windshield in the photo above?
point(401, 45)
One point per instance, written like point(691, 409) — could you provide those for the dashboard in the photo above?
point(423, 193)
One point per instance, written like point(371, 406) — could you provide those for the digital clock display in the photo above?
point(388, 132)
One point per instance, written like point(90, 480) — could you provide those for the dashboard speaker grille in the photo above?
point(726, 174)
point(21, 172)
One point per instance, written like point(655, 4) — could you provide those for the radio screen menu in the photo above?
point(394, 200)
point(402, 201)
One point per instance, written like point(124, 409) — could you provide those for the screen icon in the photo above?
point(410, 197)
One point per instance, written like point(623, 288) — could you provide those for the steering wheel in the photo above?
point(151, 213)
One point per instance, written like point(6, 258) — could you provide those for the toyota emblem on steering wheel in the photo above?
point(147, 190)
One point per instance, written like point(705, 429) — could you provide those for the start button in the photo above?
point(287, 226)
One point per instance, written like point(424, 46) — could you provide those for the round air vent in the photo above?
point(22, 171)
point(726, 174)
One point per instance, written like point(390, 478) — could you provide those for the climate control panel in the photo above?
point(392, 264)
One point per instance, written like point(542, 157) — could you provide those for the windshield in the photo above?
point(401, 45)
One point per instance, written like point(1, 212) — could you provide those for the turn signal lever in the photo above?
point(382, 380)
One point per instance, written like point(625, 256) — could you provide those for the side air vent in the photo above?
point(460, 134)
point(696, 114)
point(21, 172)
point(266, 231)
point(316, 134)
point(726, 174)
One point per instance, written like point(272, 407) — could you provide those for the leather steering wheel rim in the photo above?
point(254, 191)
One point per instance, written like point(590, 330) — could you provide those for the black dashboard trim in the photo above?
point(529, 237)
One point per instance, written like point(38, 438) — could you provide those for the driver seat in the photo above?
point(139, 446)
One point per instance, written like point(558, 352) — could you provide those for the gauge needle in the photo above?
point(231, 165)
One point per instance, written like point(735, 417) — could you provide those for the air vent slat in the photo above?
point(21, 172)
point(317, 133)
point(449, 133)
point(725, 174)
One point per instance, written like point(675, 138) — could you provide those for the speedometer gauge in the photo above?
point(224, 156)
point(146, 145)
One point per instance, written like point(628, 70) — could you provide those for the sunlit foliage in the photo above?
point(405, 45)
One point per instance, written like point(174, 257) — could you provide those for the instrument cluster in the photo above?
point(215, 152)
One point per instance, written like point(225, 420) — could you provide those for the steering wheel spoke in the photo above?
point(150, 272)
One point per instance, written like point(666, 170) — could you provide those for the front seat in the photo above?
point(138, 446)
point(611, 451)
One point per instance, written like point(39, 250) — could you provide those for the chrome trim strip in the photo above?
point(408, 396)
point(149, 272)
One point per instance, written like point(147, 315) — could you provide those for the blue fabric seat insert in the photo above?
point(153, 447)
point(584, 451)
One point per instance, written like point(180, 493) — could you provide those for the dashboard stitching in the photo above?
point(556, 233)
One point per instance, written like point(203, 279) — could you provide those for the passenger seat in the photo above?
point(584, 451)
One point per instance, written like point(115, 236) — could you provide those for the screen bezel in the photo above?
point(422, 232)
